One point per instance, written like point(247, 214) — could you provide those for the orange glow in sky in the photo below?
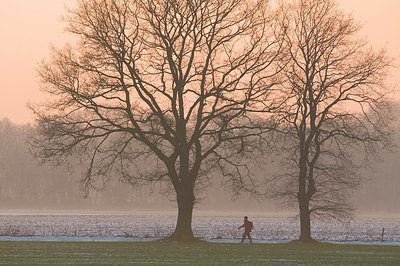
point(29, 27)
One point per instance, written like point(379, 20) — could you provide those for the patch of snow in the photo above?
point(371, 243)
point(75, 239)
point(212, 228)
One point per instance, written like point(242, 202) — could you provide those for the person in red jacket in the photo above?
point(248, 226)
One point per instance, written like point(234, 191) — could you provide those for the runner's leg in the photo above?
point(243, 237)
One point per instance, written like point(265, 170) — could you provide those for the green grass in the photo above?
point(202, 253)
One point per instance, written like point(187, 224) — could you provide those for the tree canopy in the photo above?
point(160, 90)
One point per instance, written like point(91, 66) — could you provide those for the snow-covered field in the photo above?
point(214, 228)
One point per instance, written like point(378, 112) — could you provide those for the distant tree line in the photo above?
point(27, 185)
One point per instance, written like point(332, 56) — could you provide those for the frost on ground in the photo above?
point(105, 227)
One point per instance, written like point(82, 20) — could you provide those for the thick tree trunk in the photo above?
point(183, 230)
point(305, 222)
point(304, 196)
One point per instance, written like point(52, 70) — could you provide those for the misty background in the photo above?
point(27, 185)
point(28, 28)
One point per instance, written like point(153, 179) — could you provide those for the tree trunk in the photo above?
point(305, 222)
point(304, 200)
point(183, 230)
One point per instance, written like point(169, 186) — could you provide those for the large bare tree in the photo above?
point(337, 115)
point(159, 90)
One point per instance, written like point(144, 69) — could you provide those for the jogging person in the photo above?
point(248, 226)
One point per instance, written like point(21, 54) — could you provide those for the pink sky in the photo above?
point(29, 27)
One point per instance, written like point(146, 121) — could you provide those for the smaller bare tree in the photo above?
point(337, 115)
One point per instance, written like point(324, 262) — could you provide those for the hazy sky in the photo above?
point(29, 27)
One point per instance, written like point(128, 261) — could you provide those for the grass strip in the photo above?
point(198, 253)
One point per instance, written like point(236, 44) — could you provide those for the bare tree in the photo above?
point(159, 90)
point(337, 115)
